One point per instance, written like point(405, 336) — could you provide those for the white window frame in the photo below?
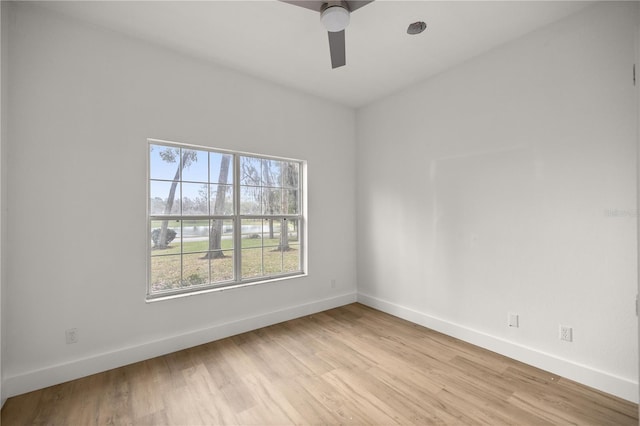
point(236, 218)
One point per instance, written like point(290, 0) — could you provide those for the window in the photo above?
point(221, 218)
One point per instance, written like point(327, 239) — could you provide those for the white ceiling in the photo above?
point(287, 44)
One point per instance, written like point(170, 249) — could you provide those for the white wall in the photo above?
point(508, 184)
point(637, 62)
point(3, 64)
point(83, 102)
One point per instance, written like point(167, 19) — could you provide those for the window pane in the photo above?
point(164, 197)
point(165, 273)
point(227, 233)
point(163, 162)
point(195, 166)
point(271, 173)
point(195, 236)
point(251, 237)
point(291, 258)
point(165, 237)
point(221, 168)
point(251, 232)
point(195, 198)
point(221, 256)
point(290, 203)
point(195, 269)
point(271, 233)
point(220, 236)
point(293, 232)
point(290, 246)
point(250, 171)
point(272, 199)
point(251, 262)
point(272, 261)
point(221, 199)
point(222, 267)
point(290, 174)
point(250, 200)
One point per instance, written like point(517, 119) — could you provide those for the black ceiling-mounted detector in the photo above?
point(416, 28)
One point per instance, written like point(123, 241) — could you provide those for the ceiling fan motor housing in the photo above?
point(335, 16)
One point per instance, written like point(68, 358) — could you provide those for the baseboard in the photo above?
point(609, 383)
point(49, 376)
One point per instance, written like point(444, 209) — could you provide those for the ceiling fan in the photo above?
point(334, 15)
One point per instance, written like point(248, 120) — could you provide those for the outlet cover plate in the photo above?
point(71, 336)
point(566, 333)
point(513, 320)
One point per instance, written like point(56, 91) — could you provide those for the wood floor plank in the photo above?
point(417, 392)
point(114, 406)
point(313, 399)
point(146, 397)
point(364, 405)
point(603, 409)
point(350, 365)
point(263, 391)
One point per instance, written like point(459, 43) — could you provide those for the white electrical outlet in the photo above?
point(333, 283)
point(512, 320)
point(71, 336)
point(566, 333)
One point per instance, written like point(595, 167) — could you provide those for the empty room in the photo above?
point(312, 212)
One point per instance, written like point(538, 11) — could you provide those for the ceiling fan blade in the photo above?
point(315, 5)
point(337, 49)
point(357, 4)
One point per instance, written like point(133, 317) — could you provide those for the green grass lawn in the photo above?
point(260, 257)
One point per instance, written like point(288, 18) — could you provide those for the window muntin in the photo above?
point(206, 231)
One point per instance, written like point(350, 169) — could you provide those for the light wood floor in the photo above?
point(351, 365)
